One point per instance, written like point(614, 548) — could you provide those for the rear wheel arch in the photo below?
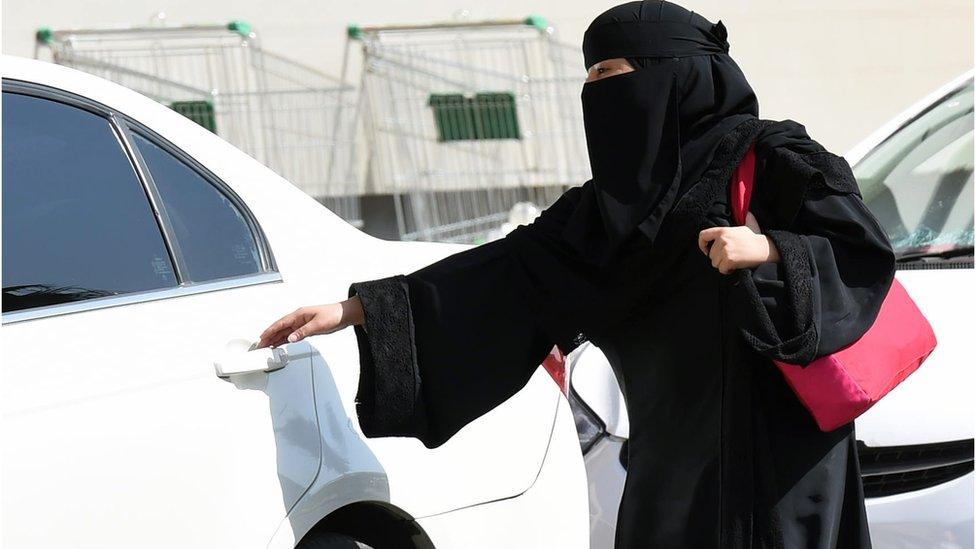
point(375, 523)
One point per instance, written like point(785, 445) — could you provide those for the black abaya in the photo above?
point(721, 453)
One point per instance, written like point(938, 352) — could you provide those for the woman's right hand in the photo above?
point(313, 320)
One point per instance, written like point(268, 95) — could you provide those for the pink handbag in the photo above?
point(841, 386)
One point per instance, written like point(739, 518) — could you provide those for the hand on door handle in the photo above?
point(241, 357)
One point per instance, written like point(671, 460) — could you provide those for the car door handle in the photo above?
point(240, 357)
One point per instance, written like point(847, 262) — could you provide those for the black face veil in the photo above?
point(650, 133)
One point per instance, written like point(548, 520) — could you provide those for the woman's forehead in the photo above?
point(610, 61)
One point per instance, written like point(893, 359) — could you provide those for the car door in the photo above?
point(128, 270)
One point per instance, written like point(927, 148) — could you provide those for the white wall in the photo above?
point(842, 67)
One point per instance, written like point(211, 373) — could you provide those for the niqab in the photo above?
point(651, 132)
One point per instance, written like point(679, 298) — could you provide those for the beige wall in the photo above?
point(842, 67)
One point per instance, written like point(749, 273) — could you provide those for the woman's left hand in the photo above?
point(742, 247)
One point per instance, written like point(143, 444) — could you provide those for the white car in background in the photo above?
point(916, 445)
point(142, 256)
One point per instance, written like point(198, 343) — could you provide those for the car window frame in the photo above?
point(935, 264)
point(124, 126)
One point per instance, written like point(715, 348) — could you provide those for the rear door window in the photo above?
point(77, 223)
point(213, 236)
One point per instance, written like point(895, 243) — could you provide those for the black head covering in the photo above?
point(651, 133)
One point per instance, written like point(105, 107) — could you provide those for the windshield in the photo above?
point(919, 182)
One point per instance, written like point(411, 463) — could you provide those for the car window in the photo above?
point(77, 223)
point(214, 238)
point(919, 182)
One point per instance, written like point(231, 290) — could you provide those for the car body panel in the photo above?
point(940, 516)
point(141, 428)
point(606, 477)
point(551, 520)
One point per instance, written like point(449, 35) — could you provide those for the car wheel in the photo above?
point(331, 541)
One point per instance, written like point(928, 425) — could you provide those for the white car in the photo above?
point(916, 445)
point(142, 256)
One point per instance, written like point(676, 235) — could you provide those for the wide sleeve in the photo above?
point(836, 263)
point(445, 344)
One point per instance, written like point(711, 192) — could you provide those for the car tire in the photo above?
point(331, 541)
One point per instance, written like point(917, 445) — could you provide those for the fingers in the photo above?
point(275, 340)
point(281, 328)
point(272, 336)
point(307, 329)
point(277, 325)
point(713, 243)
point(707, 236)
point(303, 323)
point(718, 254)
point(726, 266)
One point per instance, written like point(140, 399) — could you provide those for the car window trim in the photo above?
point(122, 126)
point(147, 296)
point(155, 200)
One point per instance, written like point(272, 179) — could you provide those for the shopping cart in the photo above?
point(464, 120)
point(293, 118)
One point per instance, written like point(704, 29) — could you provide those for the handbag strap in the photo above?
point(741, 186)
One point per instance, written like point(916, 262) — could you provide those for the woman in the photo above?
point(641, 261)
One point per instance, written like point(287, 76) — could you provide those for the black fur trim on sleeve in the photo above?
point(796, 262)
point(799, 346)
point(832, 172)
point(389, 401)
